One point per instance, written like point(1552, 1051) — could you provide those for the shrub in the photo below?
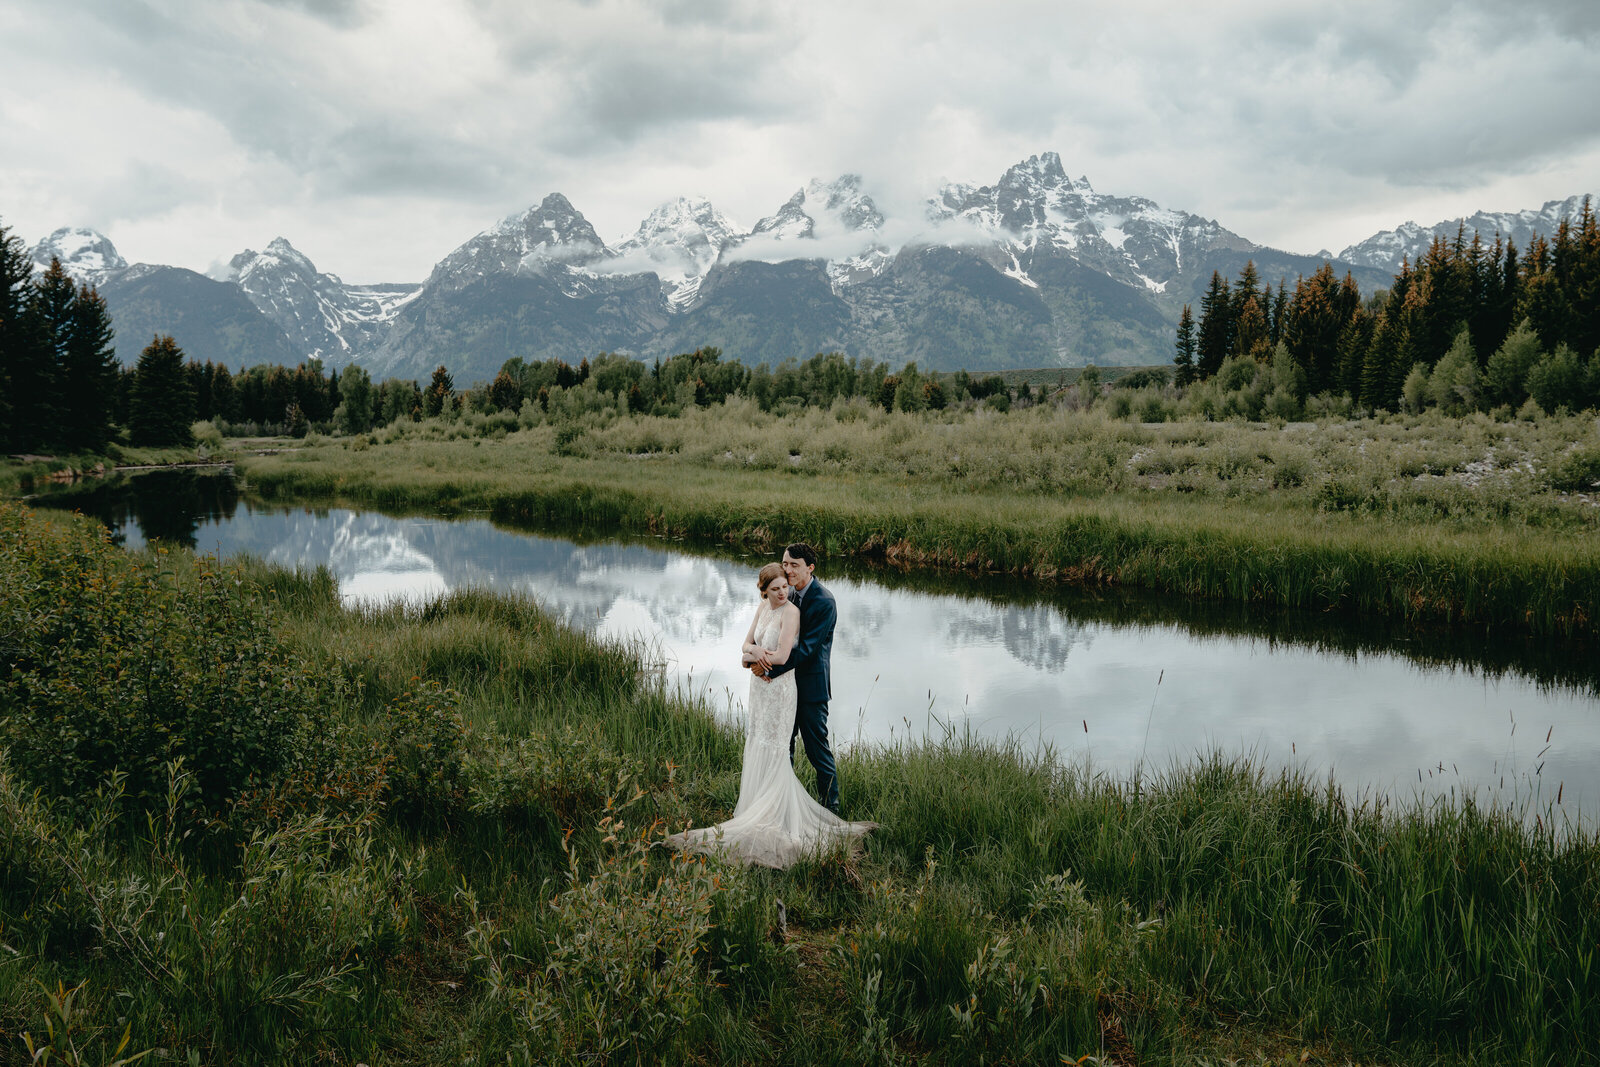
point(1578, 470)
point(110, 662)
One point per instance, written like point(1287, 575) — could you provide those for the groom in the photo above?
point(809, 661)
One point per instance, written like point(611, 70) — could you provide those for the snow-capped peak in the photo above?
point(840, 217)
point(1410, 240)
point(836, 206)
point(88, 255)
point(555, 232)
point(679, 241)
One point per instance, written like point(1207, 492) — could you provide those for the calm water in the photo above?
point(1116, 679)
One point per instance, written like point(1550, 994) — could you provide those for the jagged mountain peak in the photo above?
point(679, 242)
point(279, 255)
point(846, 201)
point(1410, 240)
point(320, 315)
point(88, 255)
point(555, 223)
point(553, 233)
point(686, 214)
point(839, 205)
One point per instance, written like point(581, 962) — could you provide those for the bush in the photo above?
point(1578, 470)
point(111, 662)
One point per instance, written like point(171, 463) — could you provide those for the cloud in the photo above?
point(1286, 124)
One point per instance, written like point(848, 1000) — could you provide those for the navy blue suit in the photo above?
point(813, 646)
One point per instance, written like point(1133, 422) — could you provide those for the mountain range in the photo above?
point(1037, 270)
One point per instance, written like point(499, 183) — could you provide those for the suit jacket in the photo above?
point(813, 646)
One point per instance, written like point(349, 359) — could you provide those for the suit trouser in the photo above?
point(811, 726)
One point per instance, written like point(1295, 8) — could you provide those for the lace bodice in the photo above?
point(769, 626)
point(772, 704)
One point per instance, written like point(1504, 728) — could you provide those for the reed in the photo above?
point(1015, 905)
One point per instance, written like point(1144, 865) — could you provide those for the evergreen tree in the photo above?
point(1377, 390)
point(90, 373)
point(442, 387)
point(16, 271)
point(37, 377)
point(1248, 288)
point(1355, 338)
point(161, 403)
point(1186, 348)
point(505, 393)
point(1251, 335)
point(1280, 312)
point(1216, 326)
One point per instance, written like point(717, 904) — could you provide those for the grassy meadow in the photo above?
point(245, 824)
point(1422, 517)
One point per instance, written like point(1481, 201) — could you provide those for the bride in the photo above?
point(775, 822)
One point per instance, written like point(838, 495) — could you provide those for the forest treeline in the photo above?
point(1471, 326)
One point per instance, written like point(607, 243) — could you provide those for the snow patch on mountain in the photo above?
point(554, 233)
point(679, 242)
point(836, 221)
point(321, 315)
point(88, 255)
point(1036, 209)
point(1410, 241)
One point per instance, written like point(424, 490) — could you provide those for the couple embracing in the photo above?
point(786, 649)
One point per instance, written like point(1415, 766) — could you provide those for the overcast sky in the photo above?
point(377, 135)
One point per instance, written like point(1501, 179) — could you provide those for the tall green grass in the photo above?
point(1058, 497)
point(461, 866)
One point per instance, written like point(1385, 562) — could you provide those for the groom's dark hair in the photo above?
point(802, 551)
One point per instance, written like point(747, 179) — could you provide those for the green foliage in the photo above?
point(1453, 383)
point(356, 400)
point(628, 959)
point(112, 663)
point(1505, 377)
point(1557, 381)
point(161, 399)
point(1578, 470)
point(426, 743)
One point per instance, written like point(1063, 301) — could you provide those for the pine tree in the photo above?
point(1247, 288)
point(16, 270)
point(37, 377)
point(89, 378)
point(442, 387)
point(505, 393)
point(1376, 373)
point(1186, 348)
point(1584, 284)
point(1251, 335)
point(1280, 312)
point(161, 405)
point(1216, 326)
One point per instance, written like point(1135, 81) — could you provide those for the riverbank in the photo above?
point(426, 836)
point(1461, 521)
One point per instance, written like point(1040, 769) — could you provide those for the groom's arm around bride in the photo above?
point(809, 659)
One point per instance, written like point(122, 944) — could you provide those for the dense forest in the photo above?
point(1469, 327)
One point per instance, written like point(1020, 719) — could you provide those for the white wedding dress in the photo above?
point(775, 822)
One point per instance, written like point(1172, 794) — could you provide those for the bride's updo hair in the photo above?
point(765, 575)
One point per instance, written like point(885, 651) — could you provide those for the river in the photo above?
point(1120, 680)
